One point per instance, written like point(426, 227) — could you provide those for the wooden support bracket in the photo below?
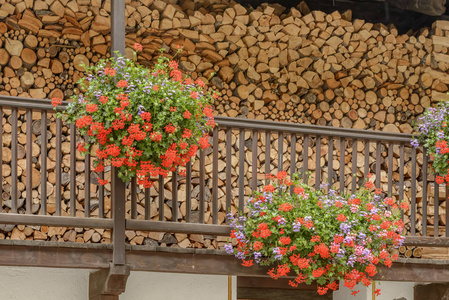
point(108, 284)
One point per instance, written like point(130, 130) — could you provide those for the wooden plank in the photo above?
point(440, 57)
point(440, 40)
point(437, 96)
point(443, 77)
point(442, 24)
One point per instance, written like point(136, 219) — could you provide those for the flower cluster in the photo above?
point(145, 122)
point(317, 235)
point(434, 136)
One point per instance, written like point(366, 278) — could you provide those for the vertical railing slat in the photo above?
point(424, 193)
point(188, 191)
point(87, 186)
point(354, 166)
point(241, 170)
point(378, 163)
point(228, 171)
point(29, 156)
point(390, 169)
point(305, 159)
point(254, 161)
point(401, 177)
point(44, 162)
point(202, 185)
point(58, 168)
point(267, 154)
point(292, 159)
point(318, 163)
point(366, 170)
point(413, 192)
point(73, 170)
point(215, 176)
point(148, 203)
point(14, 161)
point(133, 192)
point(101, 197)
point(161, 197)
point(280, 151)
point(174, 203)
point(342, 165)
point(330, 161)
point(436, 204)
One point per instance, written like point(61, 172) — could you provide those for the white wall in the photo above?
point(20, 283)
point(390, 290)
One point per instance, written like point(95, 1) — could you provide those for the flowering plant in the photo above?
point(145, 122)
point(318, 235)
point(434, 136)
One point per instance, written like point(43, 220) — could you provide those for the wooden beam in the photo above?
point(178, 260)
point(427, 7)
point(108, 284)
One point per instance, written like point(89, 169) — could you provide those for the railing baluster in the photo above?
point(292, 158)
point(161, 198)
point(254, 161)
point(148, 204)
point(267, 154)
point(101, 197)
point(330, 160)
point(436, 209)
point(424, 193)
point(87, 186)
point(215, 177)
point(280, 151)
point(29, 155)
point(1, 151)
point(202, 186)
point(390, 169)
point(305, 159)
point(366, 171)
point(228, 171)
point(73, 170)
point(14, 161)
point(342, 165)
point(133, 192)
point(354, 166)
point(446, 229)
point(188, 191)
point(413, 192)
point(318, 163)
point(44, 162)
point(174, 203)
point(378, 163)
point(241, 170)
point(58, 167)
point(401, 178)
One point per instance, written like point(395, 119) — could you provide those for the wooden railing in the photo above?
point(217, 182)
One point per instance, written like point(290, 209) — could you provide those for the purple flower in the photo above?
point(141, 110)
point(229, 249)
point(296, 226)
point(414, 143)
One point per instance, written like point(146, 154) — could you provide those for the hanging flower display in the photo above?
point(317, 235)
point(145, 122)
point(434, 136)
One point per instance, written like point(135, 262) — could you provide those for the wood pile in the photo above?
point(269, 63)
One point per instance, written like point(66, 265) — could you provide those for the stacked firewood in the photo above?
point(267, 63)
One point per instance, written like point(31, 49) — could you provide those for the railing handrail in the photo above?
point(45, 104)
point(316, 130)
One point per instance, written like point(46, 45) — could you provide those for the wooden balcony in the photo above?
point(221, 178)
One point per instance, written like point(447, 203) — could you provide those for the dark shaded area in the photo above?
point(370, 11)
